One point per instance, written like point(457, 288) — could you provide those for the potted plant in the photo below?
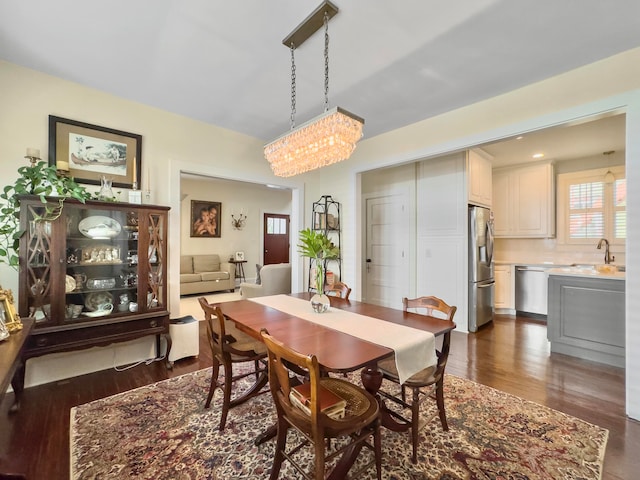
point(317, 246)
point(36, 179)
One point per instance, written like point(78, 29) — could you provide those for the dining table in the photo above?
point(339, 349)
point(335, 350)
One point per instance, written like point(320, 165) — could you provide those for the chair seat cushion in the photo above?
point(359, 401)
point(422, 378)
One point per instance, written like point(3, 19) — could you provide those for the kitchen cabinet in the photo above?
point(524, 201)
point(587, 318)
point(95, 275)
point(479, 178)
point(504, 298)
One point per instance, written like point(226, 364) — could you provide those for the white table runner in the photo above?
point(414, 348)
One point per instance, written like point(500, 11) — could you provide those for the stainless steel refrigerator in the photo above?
point(481, 280)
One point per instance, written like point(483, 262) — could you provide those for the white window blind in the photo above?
point(595, 205)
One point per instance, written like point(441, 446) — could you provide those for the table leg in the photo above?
point(17, 383)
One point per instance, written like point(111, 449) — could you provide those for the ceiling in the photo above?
point(223, 63)
point(589, 138)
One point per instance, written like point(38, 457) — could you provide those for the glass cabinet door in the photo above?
point(38, 264)
point(101, 258)
point(156, 283)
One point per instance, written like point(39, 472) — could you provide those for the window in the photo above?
point(276, 226)
point(593, 205)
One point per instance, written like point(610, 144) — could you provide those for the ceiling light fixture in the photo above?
point(325, 139)
point(538, 155)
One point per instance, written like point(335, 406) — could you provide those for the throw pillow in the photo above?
point(258, 280)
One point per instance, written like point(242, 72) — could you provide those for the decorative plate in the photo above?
point(100, 313)
point(69, 284)
point(99, 227)
point(94, 299)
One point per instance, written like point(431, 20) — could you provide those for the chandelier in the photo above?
point(326, 139)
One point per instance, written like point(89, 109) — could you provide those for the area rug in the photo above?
point(162, 431)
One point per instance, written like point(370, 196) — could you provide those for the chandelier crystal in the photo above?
point(326, 139)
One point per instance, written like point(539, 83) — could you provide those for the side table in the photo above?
point(11, 362)
point(12, 370)
point(239, 269)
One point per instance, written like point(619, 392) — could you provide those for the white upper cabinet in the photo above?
point(524, 201)
point(479, 177)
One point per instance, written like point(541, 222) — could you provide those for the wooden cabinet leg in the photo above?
point(17, 382)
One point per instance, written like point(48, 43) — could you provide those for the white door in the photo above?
point(387, 272)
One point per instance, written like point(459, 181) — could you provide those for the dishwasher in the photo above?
point(531, 289)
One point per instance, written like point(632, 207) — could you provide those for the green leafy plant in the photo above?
point(36, 179)
point(316, 245)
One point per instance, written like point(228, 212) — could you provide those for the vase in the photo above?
point(320, 303)
point(105, 189)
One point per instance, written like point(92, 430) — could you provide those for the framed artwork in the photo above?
point(205, 218)
point(9, 319)
point(239, 256)
point(89, 151)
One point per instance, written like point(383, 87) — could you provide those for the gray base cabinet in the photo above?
point(586, 318)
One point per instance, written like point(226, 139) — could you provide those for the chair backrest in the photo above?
point(215, 325)
point(282, 362)
point(338, 289)
point(436, 308)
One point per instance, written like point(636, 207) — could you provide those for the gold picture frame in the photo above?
point(89, 152)
point(8, 315)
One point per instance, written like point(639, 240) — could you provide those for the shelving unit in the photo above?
point(94, 276)
point(326, 219)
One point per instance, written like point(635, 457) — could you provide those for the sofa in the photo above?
point(274, 279)
point(205, 273)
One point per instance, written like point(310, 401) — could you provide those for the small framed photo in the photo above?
point(9, 319)
point(205, 218)
point(239, 256)
point(88, 152)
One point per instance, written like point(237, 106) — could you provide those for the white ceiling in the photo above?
point(393, 63)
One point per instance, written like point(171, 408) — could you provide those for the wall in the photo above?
point(530, 250)
point(28, 97)
point(255, 200)
point(174, 144)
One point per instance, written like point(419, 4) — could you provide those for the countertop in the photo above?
point(588, 272)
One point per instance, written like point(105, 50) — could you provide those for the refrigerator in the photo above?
point(481, 280)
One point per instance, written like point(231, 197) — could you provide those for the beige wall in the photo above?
point(254, 200)
point(173, 144)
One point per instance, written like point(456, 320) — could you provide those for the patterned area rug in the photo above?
point(162, 431)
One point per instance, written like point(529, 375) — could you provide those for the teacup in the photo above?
point(105, 307)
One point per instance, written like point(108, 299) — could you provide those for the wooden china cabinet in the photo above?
point(95, 275)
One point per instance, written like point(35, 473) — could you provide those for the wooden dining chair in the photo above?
point(431, 378)
point(230, 346)
point(360, 417)
point(338, 289)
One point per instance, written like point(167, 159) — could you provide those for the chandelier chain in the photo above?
point(326, 61)
point(293, 87)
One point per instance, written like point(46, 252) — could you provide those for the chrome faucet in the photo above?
point(607, 257)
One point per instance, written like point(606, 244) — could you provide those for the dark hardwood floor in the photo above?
point(511, 354)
